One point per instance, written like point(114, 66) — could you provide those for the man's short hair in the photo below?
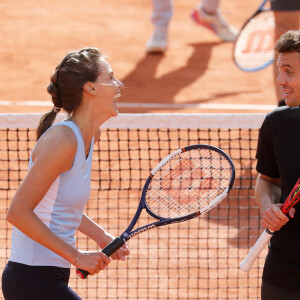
point(289, 42)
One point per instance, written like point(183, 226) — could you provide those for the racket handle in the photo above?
point(254, 252)
point(82, 273)
point(109, 250)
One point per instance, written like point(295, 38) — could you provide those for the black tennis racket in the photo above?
point(184, 185)
point(254, 46)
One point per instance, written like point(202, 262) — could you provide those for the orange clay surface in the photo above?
point(197, 69)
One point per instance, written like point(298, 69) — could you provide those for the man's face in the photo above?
point(289, 77)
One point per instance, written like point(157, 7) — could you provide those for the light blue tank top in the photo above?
point(61, 208)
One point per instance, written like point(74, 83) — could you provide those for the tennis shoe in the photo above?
point(215, 23)
point(158, 42)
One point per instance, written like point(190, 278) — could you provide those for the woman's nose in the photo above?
point(120, 83)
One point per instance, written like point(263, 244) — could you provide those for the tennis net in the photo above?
point(197, 259)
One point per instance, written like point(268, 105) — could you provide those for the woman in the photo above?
point(48, 206)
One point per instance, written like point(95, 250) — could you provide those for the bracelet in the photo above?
point(76, 258)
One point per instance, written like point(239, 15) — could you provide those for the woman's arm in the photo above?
point(101, 237)
point(97, 233)
point(53, 155)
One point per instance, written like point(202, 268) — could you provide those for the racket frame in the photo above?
point(128, 233)
point(260, 9)
point(119, 241)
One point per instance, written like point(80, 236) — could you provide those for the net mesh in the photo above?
point(188, 182)
point(197, 259)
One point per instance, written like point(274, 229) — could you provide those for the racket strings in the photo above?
point(255, 44)
point(188, 183)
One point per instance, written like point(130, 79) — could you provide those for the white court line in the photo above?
point(180, 120)
point(257, 107)
point(199, 105)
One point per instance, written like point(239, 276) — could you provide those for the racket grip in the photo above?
point(254, 252)
point(109, 250)
point(82, 273)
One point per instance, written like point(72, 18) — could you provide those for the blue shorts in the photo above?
point(285, 5)
point(23, 282)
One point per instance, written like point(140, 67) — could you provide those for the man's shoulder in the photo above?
point(279, 110)
point(282, 119)
point(283, 111)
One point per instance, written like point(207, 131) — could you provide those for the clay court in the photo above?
point(196, 75)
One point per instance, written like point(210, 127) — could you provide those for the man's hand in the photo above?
point(274, 218)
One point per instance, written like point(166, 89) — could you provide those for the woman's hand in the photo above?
point(121, 253)
point(92, 261)
point(101, 237)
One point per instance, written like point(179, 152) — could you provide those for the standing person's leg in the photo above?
point(162, 13)
point(209, 6)
point(208, 14)
point(161, 16)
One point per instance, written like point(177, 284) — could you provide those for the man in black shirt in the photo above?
point(278, 164)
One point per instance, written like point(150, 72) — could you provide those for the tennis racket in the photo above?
point(254, 46)
point(265, 237)
point(184, 185)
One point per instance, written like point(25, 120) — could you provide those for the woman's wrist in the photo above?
point(76, 258)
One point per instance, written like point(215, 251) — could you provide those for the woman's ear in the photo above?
point(89, 88)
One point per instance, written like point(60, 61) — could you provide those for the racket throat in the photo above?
point(138, 231)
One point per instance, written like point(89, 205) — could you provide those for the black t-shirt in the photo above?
point(278, 156)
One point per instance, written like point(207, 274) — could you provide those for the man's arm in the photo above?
point(267, 193)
